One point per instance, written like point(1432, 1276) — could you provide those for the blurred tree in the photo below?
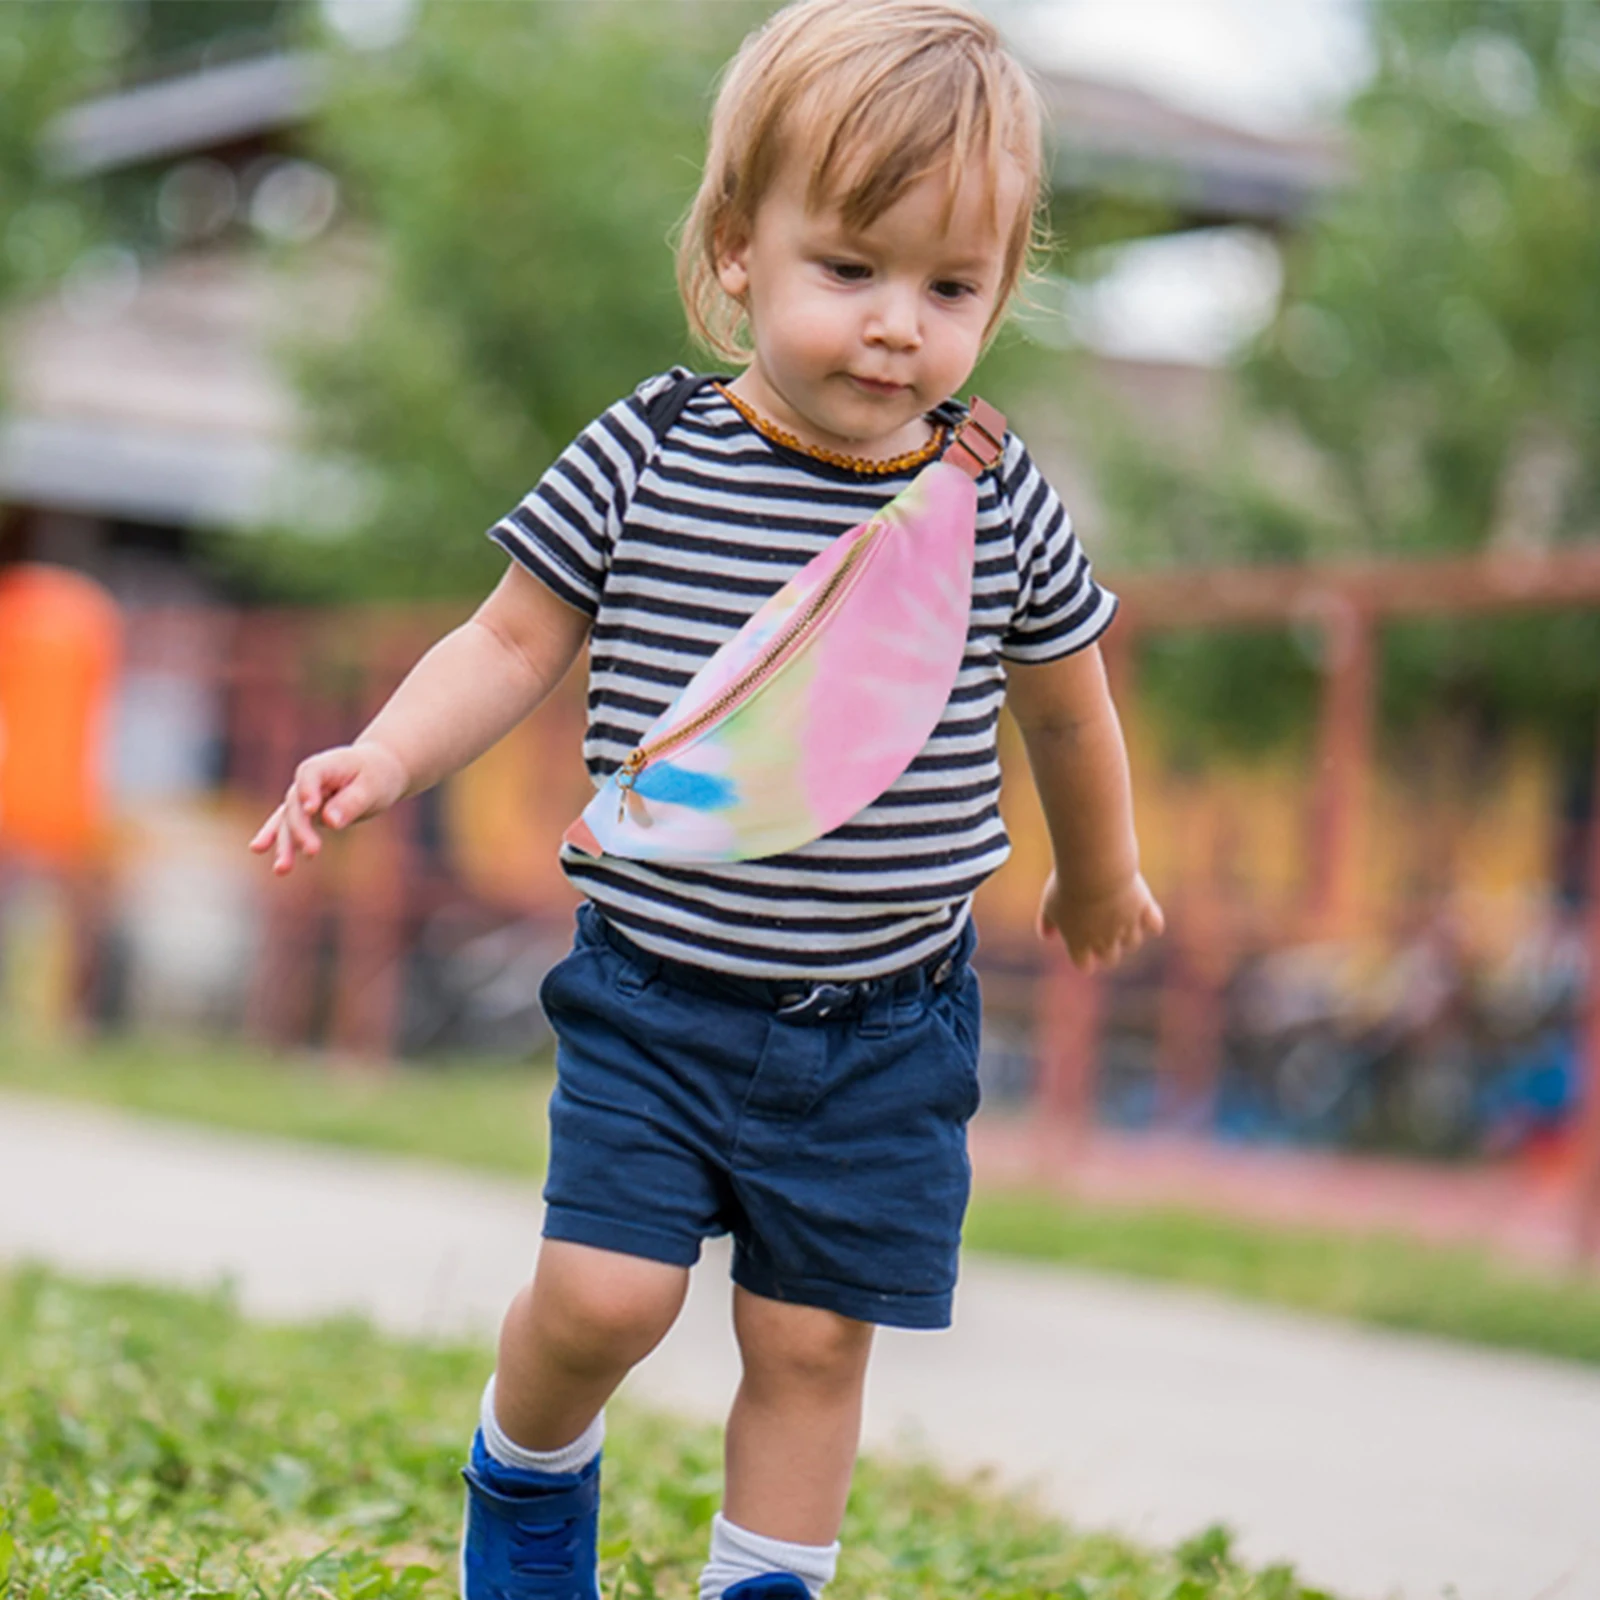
point(171, 35)
point(522, 169)
point(1441, 342)
point(52, 52)
point(1438, 347)
point(56, 53)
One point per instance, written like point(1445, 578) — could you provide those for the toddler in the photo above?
point(784, 1049)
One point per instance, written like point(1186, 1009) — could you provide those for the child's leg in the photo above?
point(533, 1486)
point(796, 1420)
point(791, 1445)
point(572, 1335)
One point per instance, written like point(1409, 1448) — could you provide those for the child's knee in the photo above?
point(802, 1346)
point(600, 1309)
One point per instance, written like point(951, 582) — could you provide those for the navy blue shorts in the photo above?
point(823, 1126)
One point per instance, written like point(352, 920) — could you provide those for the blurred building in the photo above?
point(146, 404)
point(148, 415)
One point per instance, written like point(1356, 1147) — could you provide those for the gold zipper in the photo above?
point(755, 675)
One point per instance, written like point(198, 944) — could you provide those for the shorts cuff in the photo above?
point(888, 1310)
point(626, 1238)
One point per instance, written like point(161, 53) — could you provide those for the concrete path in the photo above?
point(1380, 1464)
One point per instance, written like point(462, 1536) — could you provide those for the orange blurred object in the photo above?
point(60, 641)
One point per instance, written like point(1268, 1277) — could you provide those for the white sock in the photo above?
point(573, 1457)
point(737, 1554)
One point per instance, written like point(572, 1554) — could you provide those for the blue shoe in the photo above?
point(769, 1586)
point(529, 1535)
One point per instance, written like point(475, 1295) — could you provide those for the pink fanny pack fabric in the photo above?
point(824, 697)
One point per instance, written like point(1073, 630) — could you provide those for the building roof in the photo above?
point(188, 114)
point(1108, 137)
point(120, 469)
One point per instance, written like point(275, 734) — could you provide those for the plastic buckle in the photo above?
point(979, 441)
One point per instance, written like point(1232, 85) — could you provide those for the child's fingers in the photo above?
point(1119, 946)
point(332, 787)
point(283, 857)
point(267, 832)
point(343, 786)
point(1082, 954)
point(1133, 939)
point(297, 823)
point(357, 799)
point(280, 835)
point(312, 786)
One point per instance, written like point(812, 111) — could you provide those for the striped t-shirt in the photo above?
point(669, 545)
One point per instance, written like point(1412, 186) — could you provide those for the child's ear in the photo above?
point(732, 257)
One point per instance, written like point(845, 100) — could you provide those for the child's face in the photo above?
point(857, 333)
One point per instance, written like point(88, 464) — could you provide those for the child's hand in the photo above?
point(1100, 932)
point(340, 786)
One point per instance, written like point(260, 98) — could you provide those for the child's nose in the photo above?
point(895, 320)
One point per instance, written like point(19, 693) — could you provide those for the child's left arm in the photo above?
point(1096, 898)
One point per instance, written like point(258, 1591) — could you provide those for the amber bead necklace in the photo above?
point(835, 458)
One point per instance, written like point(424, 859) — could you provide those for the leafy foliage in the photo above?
point(522, 171)
point(157, 1445)
point(54, 54)
point(522, 168)
point(1441, 345)
point(51, 53)
point(1438, 350)
point(173, 34)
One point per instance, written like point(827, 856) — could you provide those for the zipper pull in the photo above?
point(626, 773)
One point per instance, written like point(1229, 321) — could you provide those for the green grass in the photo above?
point(1453, 1293)
point(493, 1119)
point(474, 1115)
point(155, 1444)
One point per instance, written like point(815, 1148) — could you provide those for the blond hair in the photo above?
point(877, 95)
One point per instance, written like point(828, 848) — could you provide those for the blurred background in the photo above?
point(298, 296)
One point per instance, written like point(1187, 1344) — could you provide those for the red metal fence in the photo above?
point(331, 961)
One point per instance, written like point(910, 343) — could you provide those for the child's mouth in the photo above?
point(879, 386)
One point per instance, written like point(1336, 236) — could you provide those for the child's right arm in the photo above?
point(466, 693)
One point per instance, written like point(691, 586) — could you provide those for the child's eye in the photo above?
point(848, 271)
point(949, 289)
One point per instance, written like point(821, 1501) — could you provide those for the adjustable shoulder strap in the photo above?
point(979, 440)
point(661, 411)
point(667, 406)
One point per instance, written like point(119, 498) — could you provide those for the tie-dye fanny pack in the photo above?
point(826, 694)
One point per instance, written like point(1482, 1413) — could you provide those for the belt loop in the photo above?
point(632, 980)
point(638, 968)
point(877, 1010)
